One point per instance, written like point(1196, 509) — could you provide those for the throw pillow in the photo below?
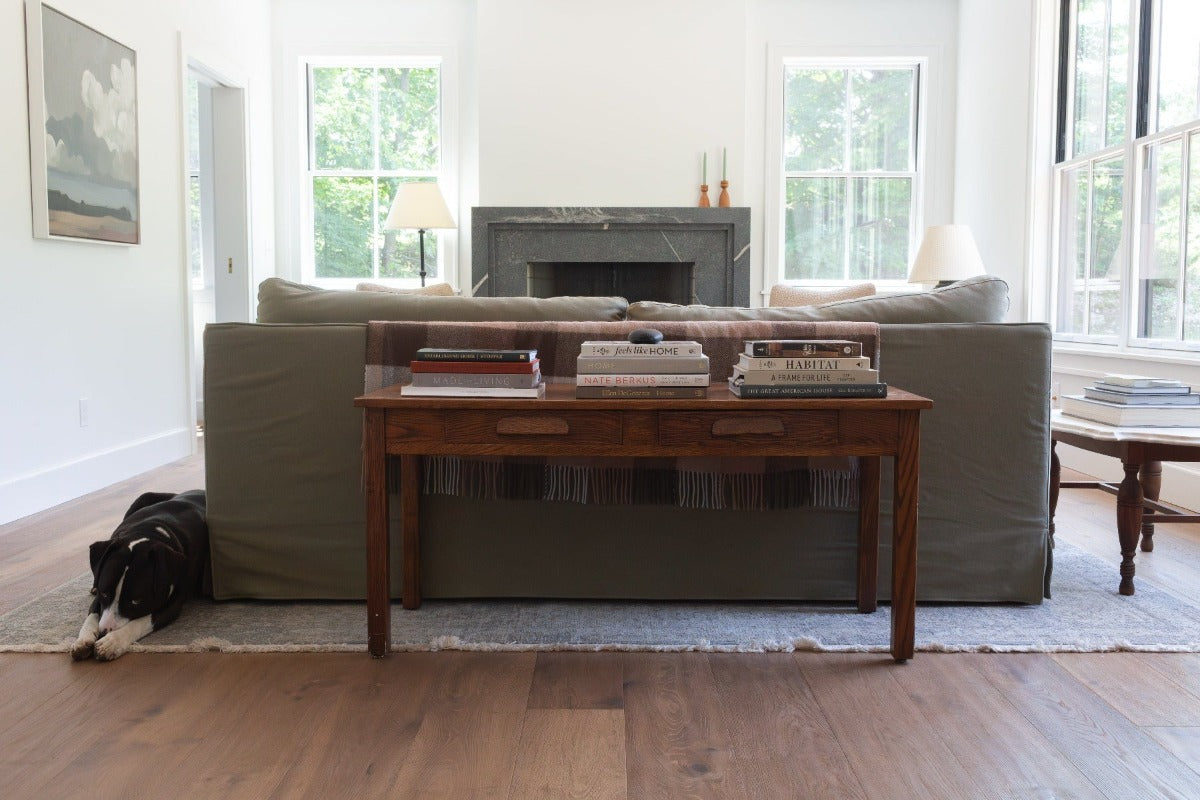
point(784, 295)
point(441, 289)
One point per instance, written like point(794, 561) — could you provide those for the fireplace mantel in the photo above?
point(506, 240)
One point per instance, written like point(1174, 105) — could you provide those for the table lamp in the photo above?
point(420, 206)
point(947, 254)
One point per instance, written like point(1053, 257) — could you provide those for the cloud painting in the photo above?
point(88, 99)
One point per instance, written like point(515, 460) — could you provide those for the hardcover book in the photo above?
point(471, 391)
point(803, 348)
point(478, 379)
point(623, 348)
point(471, 354)
point(510, 367)
point(1141, 398)
point(1164, 416)
point(646, 379)
point(640, 364)
point(1138, 381)
point(748, 391)
point(767, 377)
point(641, 392)
point(1178, 388)
point(795, 362)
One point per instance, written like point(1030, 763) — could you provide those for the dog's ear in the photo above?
point(96, 553)
point(167, 568)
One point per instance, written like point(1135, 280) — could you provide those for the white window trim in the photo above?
point(1126, 342)
point(779, 58)
point(297, 226)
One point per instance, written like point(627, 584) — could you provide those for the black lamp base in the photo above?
point(422, 273)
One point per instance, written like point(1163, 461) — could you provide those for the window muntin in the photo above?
point(849, 171)
point(369, 129)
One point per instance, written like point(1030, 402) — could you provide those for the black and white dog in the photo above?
point(153, 562)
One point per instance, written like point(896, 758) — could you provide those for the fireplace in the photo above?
point(678, 255)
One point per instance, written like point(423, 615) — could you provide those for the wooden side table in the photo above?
point(721, 424)
point(1141, 451)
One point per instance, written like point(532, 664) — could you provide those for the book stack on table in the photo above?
point(467, 372)
point(622, 370)
point(1136, 401)
point(771, 368)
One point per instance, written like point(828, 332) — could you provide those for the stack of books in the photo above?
point(1136, 401)
point(771, 368)
point(621, 370)
point(438, 372)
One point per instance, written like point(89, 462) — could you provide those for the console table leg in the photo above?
point(1151, 480)
point(410, 499)
point(1130, 507)
point(904, 537)
point(379, 610)
point(868, 534)
point(1055, 481)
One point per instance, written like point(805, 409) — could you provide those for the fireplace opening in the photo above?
point(662, 281)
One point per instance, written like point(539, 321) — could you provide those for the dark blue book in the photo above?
point(785, 390)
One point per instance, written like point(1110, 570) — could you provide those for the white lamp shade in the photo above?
point(418, 205)
point(947, 253)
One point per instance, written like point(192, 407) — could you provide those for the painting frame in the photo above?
point(83, 130)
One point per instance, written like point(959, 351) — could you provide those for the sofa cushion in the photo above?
point(980, 299)
point(284, 301)
point(440, 289)
point(784, 295)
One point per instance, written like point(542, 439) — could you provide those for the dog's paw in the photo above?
point(110, 648)
point(83, 649)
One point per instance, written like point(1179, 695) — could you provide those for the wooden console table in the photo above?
point(1142, 451)
point(561, 425)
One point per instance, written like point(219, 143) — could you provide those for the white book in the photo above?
point(798, 363)
point(664, 348)
point(1133, 416)
point(1137, 381)
point(770, 377)
point(643, 379)
point(471, 391)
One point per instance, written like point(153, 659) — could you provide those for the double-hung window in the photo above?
point(850, 170)
point(371, 126)
point(1127, 174)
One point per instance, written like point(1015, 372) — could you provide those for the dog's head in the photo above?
point(133, 577)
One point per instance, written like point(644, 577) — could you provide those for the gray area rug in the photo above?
point(1085, 615)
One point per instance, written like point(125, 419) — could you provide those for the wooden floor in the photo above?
point(583, 725)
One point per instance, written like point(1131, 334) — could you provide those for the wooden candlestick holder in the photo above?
point(723, 200)
point(704, 196)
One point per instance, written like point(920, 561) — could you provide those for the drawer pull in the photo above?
point(525, 426)
point(770, 426)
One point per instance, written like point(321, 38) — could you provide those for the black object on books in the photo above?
point(471, 354)
point(645, 336)
point(750, 391)
point(1142, 398)
point(803, 348)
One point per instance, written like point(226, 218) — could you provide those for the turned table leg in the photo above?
point(1055, 480)
point(1130, 507)
point(1151, 480)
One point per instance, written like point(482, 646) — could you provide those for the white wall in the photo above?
point(859, 28)
point(103, 322)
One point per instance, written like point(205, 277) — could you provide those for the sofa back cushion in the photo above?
point(980, 299)
point(284, 301)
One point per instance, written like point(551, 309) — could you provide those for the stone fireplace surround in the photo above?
point(507, 242)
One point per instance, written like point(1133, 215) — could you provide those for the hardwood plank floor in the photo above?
point(592, 725)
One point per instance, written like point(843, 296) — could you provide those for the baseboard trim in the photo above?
point(29, 494)
point(1180, 482)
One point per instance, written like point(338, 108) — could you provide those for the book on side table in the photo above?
point(776, 368)
point(468, 372)
point(1136, 401)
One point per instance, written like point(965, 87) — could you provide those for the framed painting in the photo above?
point(83, 131)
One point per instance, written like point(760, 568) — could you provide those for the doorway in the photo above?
point(219, 267)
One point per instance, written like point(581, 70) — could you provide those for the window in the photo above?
point(370, 127)
point(1127, 177)
point(850, 169)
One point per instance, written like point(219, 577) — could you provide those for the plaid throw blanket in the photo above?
point(733, 483)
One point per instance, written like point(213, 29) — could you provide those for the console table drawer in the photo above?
point(734, 427)
point(494, 427)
